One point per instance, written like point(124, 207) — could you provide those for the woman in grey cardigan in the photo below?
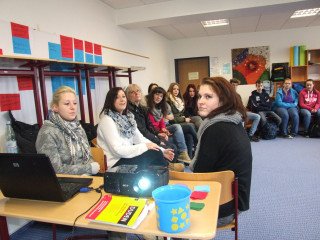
point(63, 139)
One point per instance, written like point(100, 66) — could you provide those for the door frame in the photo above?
point(176, 62)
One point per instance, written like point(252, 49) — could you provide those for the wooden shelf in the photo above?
point(310, 71)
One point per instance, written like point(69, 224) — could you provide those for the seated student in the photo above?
point(255, 118)
point(121, 140)
point(191, 110)
point(63, 139)
point(156, 111)
point(309, 101)
point(260, 102)
point(286, 106)
point(176, 103)
point(223, 142)
point(134, 95)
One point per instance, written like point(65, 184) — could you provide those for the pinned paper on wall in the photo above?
point(89, 58)
point(97, 54)
point(226, 68)
point(66, 47)
point(24, 83)
point(1, 53)
point(20, 38)
point(78, 50)
point(88, 47)
point(214, 66)
point(193, 75)
point(97, 49)
point(9, 102)
point(54, 51)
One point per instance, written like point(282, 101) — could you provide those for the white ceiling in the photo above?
point(178, 19)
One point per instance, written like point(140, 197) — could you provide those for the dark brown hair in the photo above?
point(162, 105)
point(110, 99)
point(151, 86)
point(191, 101)
point(229, 99)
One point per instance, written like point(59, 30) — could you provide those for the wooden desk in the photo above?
point(203, 223)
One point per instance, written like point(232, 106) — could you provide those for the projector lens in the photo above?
point(144, 183)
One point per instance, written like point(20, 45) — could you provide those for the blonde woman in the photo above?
point(63, 139)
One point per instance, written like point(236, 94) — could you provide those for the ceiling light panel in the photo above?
point(305, 13)
point(214, 23)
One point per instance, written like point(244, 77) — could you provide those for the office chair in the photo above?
point(229, 190)
point(99, 157)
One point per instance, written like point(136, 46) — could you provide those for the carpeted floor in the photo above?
point(285, 195)
point(285, 192)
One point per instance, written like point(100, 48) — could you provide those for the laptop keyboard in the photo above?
point(71, 186)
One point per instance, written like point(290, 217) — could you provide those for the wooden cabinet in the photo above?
point(309, 71)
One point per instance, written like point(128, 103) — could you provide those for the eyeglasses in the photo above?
point(135, 92)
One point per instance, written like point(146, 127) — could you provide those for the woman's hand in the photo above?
point(152, 146)
point(168, 154)
point(163, 136)
point(188, 120)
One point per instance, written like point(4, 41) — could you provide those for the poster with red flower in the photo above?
point(251, 64)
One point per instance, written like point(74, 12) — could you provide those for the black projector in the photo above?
point(130, 180)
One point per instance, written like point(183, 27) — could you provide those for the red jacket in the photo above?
point(309, 100)
point(157, 125)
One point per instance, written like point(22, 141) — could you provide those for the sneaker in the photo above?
point(253, 139)
point(178, 167)
point(287, 136)
point(184, 157)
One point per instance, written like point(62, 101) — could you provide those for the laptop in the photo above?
point(31, 176)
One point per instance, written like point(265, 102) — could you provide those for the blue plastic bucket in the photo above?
point(173, 208)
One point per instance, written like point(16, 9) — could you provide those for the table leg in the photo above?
point(4, 233)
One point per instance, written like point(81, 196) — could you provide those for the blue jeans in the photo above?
point(270, 115)
point(286, 115)
point(306, 118)
point(190, 136)
point(255, 118)
point(177, 137)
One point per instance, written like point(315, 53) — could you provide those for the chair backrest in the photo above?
point(99, 157)
point(225, 178)
point(94, 142)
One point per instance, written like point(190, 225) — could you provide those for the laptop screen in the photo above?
point(30, 176)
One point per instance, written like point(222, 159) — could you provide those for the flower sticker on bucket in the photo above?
point(173, 208)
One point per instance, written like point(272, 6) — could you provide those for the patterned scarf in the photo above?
point(157, 114)
point(75, 137)
point(125, 123)
point(222, 117)
point(178, 103)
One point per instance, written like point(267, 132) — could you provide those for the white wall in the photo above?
point(220, 46)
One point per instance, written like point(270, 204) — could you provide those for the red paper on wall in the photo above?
point(1, 53)
point(88, 47)
point(9, 102)
point(24, 83)
point(97, 49)
point(19, 30)
point(66, 46)
point(78, 44)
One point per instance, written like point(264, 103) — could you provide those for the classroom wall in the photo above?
point(220, 47)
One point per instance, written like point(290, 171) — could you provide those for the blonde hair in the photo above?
point(57, 94)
